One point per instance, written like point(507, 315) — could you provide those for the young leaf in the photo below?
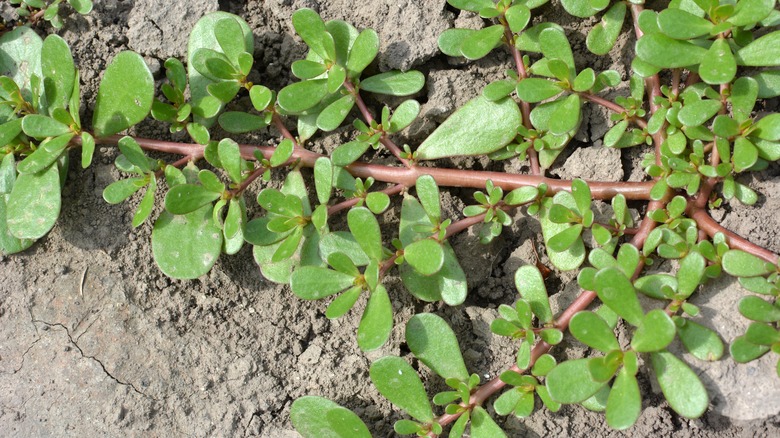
point(530, 283)
point(314, 283)
point(682, 25)
point(617, 292)
point(334, 114)
point(394, 83)
point(428, 192)
point(398, 382)
point(624, 402)
point(364, 226)
point(49, 151)
point(132, 151)
point(343, 303)
point(764, 51)
point(480, 43)
point(433, 342)
point(655, 332)
point(186, 198)
point(186, 246)
point(146, 205)
point(323, 179)
point(347, 153)
point(744, 351)
point(125, 95)
point(377, 320)
point(603, 36)
point(574, 255)
point(425, 256)
point(404, 115)
point(742, 264)
point(39, 126)
point(755, 308)
point(555, 45)
point(702, 342)
point(58, 71)
point(571, 382)
point(34, 204)
point(311, 28)
point(463, 134)
point(315, 417)
point(363, 51)
point(718, 65)
point(594, 332)
point(483, 426)
point(680, 385)
point(536, 89)
point(303, 95)
point(118, 191)
point(664, 52)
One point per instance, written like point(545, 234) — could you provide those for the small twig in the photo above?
point(390, 191)
point(83, 280)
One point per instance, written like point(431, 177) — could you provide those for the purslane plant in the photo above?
point(718, 62)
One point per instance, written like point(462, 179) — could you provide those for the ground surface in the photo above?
point(133, 353)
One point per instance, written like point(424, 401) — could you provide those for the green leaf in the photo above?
point(377, 320)
point(580, 8)
point(428, 192)
point(48, 152)
point(336, 77)
point(34, 203)
point(134, 154)
point(238, 122)
point(566, 116)
point(571, 382)
point(314, 283)
point(517, 17)
point(311, 28)
point(403, 115)
point(768, 83)
point(433, 342)
point(228, 33)
point(363, 52)
point(756, 309)
point(303, 95)
point(742, 264)
point(662, 51)
point(348, 153)
point(87, 149)
point(680, 385)
point(58, 71)
point(763, 52)
point(21, 58)
point(690, 274)
point(537, 89)
point(40, 126)
point(471, 5)
point(483, 426)
point(343, 303)
point(118, 191)
point(230, 157)
point(697, 112)
point(146, 205)
point(682, 25)
point(394, 83)
point(574, 255)
point(743, 97)
point(655, 332)
point(603, 36)
point(498, 90)
point(768, 128)
point(306, 69)
point(617, 292)
point(530, 283)
point(323, 179)
point(364, 226)
point(593, 331)
point(480, 43)
point(451, 40)
point(398, 382)
point(624, 403)
point(745, 154)
point(718, 65)
point(744, 351)
point(125, 95)
point(762, 334)
point(702, 342)
point(334, 114)
point(187, 198)
point(342, 241)
point(425, 256)
point(83, 7)
point(555, 45)
point(186, 246)
point(377, 202)
point(316, 417)
point(460, 134)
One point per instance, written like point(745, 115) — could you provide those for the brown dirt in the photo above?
point(135, 353)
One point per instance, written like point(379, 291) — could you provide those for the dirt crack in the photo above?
point(98, 361)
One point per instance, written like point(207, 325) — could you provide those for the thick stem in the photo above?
point(408, 176)
point(711, 227)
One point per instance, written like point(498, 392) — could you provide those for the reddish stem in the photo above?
point(525, 107)
point(390, 191)
point(711, 227)
point(408, 176)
